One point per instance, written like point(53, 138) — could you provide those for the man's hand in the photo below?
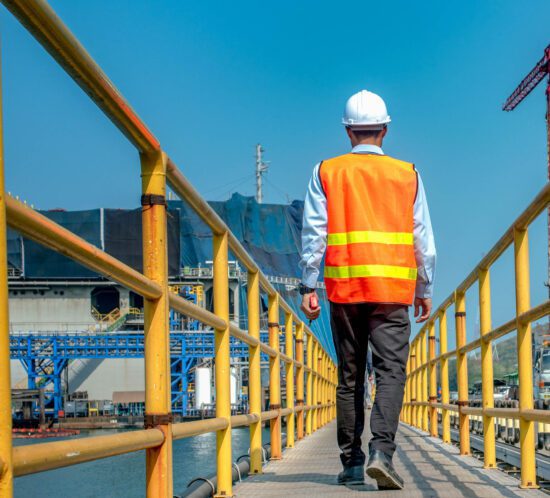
point(426, 305)
point(311, 313)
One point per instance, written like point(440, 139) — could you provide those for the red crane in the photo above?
point(537, 74)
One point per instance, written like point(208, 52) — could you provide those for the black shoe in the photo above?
point(381, 469)
point(352, 475)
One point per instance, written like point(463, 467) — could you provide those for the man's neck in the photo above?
point(368, 141)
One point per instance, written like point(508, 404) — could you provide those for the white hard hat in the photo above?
point(365, 111)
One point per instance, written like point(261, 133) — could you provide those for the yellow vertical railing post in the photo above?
point(414, 384)
point(462, 372)
point(300, 379)
point(315, 389)
point(254, 376)
point(324, 389)
point(156, 321)
point(425, 425)
point(6, 467)
point(487, 383)
point(433, 379)
point(309, 392)
point(223, 365)
point(407, 397)
point(444, 373)
point(525, 361)
point(289, 351)
point(274, 377)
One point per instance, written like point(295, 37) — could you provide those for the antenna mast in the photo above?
point(261, 168)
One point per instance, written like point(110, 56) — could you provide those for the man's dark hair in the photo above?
point(363, 134)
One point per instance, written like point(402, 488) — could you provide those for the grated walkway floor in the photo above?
point(429, 468)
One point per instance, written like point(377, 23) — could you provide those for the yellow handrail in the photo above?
point(416, 398)
point(158, 171)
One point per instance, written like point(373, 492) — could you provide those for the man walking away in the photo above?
point(369, 212)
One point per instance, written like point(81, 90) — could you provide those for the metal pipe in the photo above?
point(34, 458)
point(425, 425)
point(414, 419)
point(487, 384)
point(309, 383)
point(444, 373)
point(194, 311)
point(274, 376)
point(300, 378)
point(462, 372)
point(432, 379)
point(157, 325)
point(289, 374)
point(48, 233)
point(42, 22)
point(6, 476)
point(222, 363)
point(246, 419)
point(254, 381)
point(525, 362)
point(196, 427)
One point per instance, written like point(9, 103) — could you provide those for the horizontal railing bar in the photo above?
point(269, 415)
point(194, 311)
point(196, 427)
point(471, 410)
point(41, 229)
point(42, 22)
point(35, 458)
point(286, 358)
point(286, 411)
point(244, 420)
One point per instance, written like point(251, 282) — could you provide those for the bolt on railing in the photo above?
point(158, 171)
point(417, 401)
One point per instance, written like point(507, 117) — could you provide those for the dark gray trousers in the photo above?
point(387, 328)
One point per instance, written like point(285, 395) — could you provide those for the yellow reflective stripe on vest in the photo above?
point(370, 271)
point(369, 236)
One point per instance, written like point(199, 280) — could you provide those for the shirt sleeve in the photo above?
point(424, 244)
point(314, 230)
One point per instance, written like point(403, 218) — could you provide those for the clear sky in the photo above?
point(211, 79)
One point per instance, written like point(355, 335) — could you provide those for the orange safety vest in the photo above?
point(370, 252)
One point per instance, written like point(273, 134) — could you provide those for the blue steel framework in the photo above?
point(45, 356)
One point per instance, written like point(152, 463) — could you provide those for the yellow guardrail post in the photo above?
point(525, 361)
point(156, 322)
point(433, 379)
point(315, 385)
point(6, 470)
point(300, 379)
point(415, 391)
point(444, 372)
point(223, 366)
point(289, 367)
point(254, 376)
point(487, 382)
point(424, 408)
point(274, 376)
point(309, 392)
point(462, 372)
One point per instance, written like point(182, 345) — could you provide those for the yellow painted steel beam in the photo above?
point(487, 383)
point(192, 310)
point(274, 376)
point(6, 477)
point(444, 373)
point(462, 372)
point(300, 379)
point(289, 374)
point(34, 458)
point(254, 377)
point(246, 419)
point(48, 233)
point(270, 415)
point(525, 362)
point(157, 326)
point(425, 424)
point(42, 22)
point(414, 412)
point(309, 382)
point(432, 379)
point(187, 429)
point(222, 364)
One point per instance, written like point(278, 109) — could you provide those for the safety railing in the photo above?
point(421, 404)
point(310, 372)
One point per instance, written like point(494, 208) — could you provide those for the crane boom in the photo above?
point(537, 74)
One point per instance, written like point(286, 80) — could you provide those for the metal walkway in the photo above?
point(429, 467)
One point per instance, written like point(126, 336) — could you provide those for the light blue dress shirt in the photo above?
point(314, 231)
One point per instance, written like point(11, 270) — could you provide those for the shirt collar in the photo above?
point(367, 149)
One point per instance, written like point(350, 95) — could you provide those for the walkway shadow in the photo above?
point(315, 478)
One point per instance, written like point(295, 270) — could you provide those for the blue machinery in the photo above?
point(46, 356)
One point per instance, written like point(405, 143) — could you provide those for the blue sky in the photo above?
point(211, 79)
